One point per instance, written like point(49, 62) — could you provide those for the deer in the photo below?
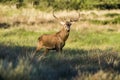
point(57, 40)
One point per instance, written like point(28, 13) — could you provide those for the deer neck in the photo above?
point(63, 34)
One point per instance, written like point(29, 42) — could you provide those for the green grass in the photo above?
point(104, 22)
point(112, 15)
point(115, 19)
point(80, 55)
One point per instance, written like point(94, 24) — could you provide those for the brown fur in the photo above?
point(53, 41)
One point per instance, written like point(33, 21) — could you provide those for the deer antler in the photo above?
point(55, 16)
point(74, 20)
point(61, 22)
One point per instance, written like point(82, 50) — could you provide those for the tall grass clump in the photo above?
point(12, 71)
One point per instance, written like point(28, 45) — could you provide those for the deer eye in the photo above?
point(69, 24)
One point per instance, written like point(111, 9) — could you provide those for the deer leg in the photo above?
point(39, 47)
point(59, 50)
point(59, 47)
point(45, 52)
point(33, 55)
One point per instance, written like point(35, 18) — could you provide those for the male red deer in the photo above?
point(55, 41)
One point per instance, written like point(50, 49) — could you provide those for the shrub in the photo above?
point(66, 4)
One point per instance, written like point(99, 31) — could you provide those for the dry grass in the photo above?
point(31, 16)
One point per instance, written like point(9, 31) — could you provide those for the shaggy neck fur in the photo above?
point(63, 34)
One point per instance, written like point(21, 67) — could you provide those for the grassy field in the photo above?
point(92, 51)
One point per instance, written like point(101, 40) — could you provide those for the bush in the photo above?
point(66, 4)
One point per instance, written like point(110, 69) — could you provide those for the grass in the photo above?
point(112, 15)
point(104, 22)
point(91, 51)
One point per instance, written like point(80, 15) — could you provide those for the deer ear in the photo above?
point(71, 20)
point(63, 23)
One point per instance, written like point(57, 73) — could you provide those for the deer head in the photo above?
point(67, 24)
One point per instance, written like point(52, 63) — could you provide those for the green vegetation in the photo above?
point(112, 15)
point(65, 4)
point(92, 51)
point(115, 19)
point(80, 56)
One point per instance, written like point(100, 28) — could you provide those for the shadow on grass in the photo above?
point(62, 66)
point(14, 52)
